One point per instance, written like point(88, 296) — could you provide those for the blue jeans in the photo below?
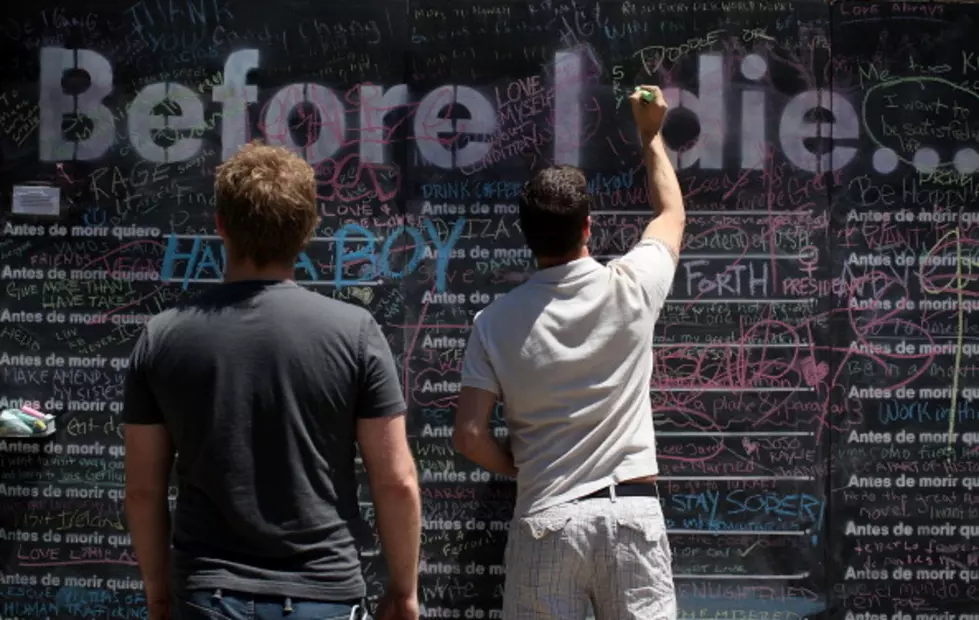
point(224, 605)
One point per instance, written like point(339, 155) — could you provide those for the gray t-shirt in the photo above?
point(260, 384)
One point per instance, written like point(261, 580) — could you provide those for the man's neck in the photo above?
point(239, 272)
point(544, 263)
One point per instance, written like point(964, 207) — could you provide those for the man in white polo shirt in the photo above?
point(569, 353)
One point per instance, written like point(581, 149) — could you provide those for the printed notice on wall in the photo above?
point(36, 200)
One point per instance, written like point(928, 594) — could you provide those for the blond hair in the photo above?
point(266, 200)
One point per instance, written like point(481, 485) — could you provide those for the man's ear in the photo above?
point(219, 225)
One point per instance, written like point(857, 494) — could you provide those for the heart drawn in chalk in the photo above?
point(750, 447)
point(813, 373)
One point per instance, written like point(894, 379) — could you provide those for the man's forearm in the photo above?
point(665, 195)
point(398, 514)
point(490, 454)
point(149, 527)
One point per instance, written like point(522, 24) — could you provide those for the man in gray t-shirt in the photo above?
point(259, 390)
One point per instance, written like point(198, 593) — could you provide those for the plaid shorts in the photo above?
point(610, 555)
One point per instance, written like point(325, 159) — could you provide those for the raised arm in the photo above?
point(669, 215)
point(653, 261)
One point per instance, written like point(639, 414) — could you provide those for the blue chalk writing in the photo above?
point(380, 266)
point(504, 190)
point(417, 241)
point(715, 510)
point(94, 216)
point(605, 183)
point(202, 258)
point(206, 259)
point(43, 601)
point(456, 190)
point(466, 190)
point(896, 412)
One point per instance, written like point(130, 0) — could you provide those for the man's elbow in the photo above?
point(397, 491)
point(676, 217)
point(464, 438)
point(399, 481)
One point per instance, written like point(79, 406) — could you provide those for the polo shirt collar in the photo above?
point(574, 269)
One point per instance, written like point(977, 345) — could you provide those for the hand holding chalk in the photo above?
point(648, 108)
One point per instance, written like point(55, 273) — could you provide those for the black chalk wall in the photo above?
point(817, 362)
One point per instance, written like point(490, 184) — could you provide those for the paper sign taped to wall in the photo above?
point(36, 200)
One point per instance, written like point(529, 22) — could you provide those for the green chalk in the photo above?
point(645, 94)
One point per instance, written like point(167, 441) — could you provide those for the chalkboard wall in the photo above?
point(816, 376)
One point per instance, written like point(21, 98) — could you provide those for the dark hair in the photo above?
point(554, 207)
point(266, 197)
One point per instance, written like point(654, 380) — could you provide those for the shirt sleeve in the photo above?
point(380, 393)
point(477, 370)
point(139, 404)
point(653, 265)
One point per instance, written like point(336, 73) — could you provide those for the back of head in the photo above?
point(266, 204)
point(554, 209)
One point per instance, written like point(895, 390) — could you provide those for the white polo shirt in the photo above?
point(569, 352)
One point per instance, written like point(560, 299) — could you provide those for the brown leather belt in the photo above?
point(626, 489)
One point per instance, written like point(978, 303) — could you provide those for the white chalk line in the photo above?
point(734, 434)
point(733, 345)
point(735, 478)
point(807, 300)
point(690, 213)
point(739, 532)
point(733, 388)
point(314, 239)
point(725, 256)
point(189, 280)
point(745, 576)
